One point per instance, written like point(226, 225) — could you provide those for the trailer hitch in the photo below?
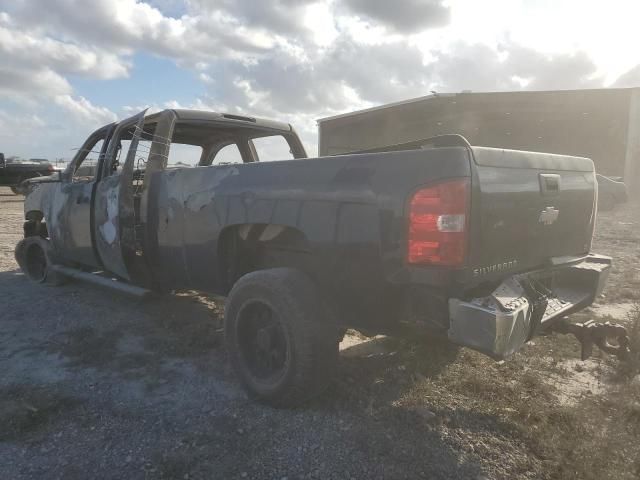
point(592, 333)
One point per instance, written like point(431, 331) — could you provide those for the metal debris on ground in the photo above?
point(592, 333)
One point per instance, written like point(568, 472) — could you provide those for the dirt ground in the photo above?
point(97, 385)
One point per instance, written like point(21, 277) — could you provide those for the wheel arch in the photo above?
point(34, 215)
point(247, 247)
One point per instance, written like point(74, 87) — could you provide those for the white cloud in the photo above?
point(125, 26)
point(18, 126)
point(29, 49)
point(406, 16)
point(300, 60)
point(509, 67)
point(630, 78)
point(29, 84)
point(83, 111)
point(20, 134)
point(130, 110)
point(205, 78)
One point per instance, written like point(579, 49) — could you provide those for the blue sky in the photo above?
point(66, 69)
point(151, 79)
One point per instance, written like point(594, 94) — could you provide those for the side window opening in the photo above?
point(87, 168)
point(274, 147)
point(141, 154)
point(183, 155)
point(121, 156)
point(228, 154)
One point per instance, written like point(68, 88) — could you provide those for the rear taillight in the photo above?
point(438, 224)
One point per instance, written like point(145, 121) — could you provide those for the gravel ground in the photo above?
point(98, 385)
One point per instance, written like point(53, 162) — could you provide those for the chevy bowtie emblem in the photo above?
point(549, 215)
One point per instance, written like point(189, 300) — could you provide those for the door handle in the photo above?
point(549, 184)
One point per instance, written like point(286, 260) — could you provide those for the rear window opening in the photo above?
point(184, 155)
point(272, 148)
point(228, 154)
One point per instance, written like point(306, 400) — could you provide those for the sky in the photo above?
point(70, 66)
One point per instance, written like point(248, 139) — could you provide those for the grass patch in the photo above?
point(627, 370)
point(597, 438)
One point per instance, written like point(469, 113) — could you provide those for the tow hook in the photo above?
point(592, 333)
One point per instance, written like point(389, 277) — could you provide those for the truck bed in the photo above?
point(343, 219)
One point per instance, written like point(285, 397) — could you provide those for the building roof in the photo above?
point(439, 95)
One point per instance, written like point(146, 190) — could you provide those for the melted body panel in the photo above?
point(78, 242)
point(347, 208)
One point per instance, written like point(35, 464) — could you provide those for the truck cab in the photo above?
point(96, 212)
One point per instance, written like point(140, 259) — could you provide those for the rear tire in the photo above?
point(279, 338)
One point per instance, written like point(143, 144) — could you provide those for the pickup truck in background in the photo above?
point(481, 245)
point(13, 172)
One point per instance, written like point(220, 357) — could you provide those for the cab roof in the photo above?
point(232, 119)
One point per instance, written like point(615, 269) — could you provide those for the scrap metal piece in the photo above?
point(592, 333)
point(483, 326)
point(538, 296)
point(509, 294)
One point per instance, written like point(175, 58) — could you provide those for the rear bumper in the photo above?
point(499, 324)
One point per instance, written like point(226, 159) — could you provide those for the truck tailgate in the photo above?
point(529, 208)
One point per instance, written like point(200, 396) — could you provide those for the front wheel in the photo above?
point(280, 343)
point(34, 258)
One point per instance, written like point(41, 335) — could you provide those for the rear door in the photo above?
point(113, 208)
point(529, 209)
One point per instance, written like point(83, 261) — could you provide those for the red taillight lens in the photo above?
point(438, 219)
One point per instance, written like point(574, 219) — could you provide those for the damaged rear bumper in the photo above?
point(499, 324)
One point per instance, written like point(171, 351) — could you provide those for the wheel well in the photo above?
point(35, 224)
point(256, 246)
point(34, 216)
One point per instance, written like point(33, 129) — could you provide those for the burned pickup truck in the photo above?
point(482, 245)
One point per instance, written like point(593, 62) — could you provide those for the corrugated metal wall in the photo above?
point(590, 123)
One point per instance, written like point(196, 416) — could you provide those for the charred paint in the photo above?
point(109, 229)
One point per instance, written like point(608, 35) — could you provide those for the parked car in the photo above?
point(484, 246)
point(14, 171)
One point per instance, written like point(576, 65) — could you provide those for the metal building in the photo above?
point(602, 124)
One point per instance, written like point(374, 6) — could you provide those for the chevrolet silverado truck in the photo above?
point(481, 245)
point(13, 172)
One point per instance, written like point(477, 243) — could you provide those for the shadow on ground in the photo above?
point(86, 369)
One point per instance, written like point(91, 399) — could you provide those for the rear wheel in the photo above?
point(279, 341)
